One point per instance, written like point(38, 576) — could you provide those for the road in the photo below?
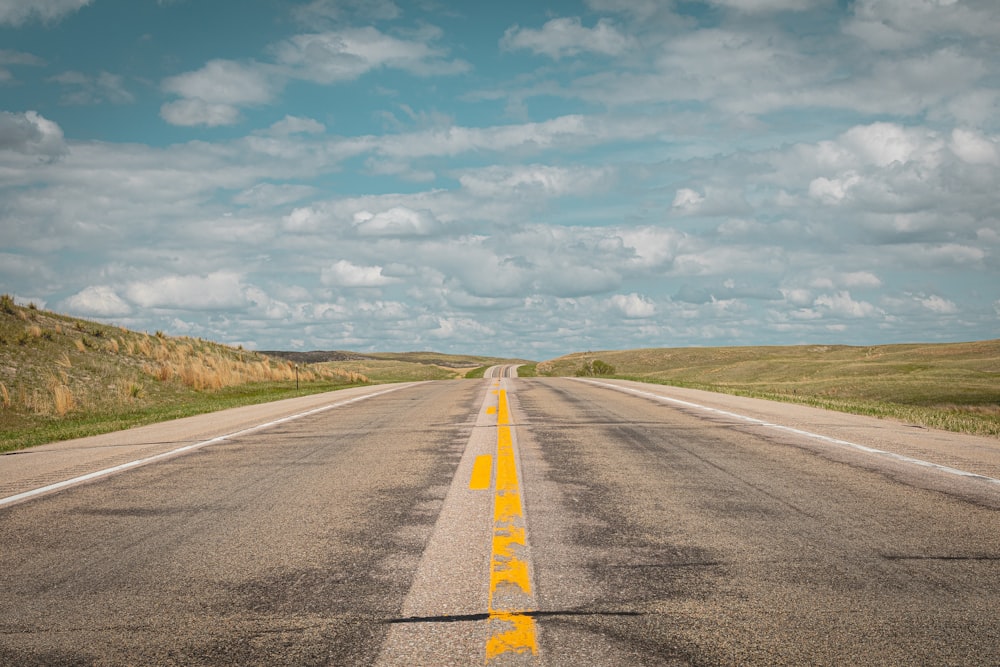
point(507, 521)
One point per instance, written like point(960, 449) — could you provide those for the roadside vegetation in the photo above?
point(62, 377)
point(954, 386)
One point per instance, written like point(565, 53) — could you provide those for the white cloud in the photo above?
point(211, 95)
point(18, 12)
point(219, 290)
point(688, 200)
point(269, 195)
point(565, 37)
point(225, 82)
point(344, 55)
point(842, 305)
point(937, 304)
point(833, 190)
point(296, 125)
point(199, 112)
point(398, 221)
point(97, 301)
point(633, 305)
point(30, 133)
point(535, 180)
point(347, 274)
point(974, 148)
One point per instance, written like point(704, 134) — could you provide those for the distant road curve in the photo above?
point(502, 371)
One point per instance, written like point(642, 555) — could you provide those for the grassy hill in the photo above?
point(950, 385)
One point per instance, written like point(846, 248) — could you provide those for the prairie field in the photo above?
point(955, 386)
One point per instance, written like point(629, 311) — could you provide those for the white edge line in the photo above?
point(10, 500)
point(808, 434)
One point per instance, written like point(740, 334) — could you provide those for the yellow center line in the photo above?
point(510, 579)
point(482, 470)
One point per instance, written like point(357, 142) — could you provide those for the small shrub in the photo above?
point(595, 368)
point(4, 395)
point(130, 390)
point(64, 360)
point(80, 345)
point(7, 304)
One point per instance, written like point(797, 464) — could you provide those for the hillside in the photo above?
point(65, 377)
point(946, 385)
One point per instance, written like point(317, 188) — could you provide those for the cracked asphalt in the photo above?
point(658, 534)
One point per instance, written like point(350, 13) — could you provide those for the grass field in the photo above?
point(954, 386)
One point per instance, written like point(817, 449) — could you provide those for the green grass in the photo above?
point(951, 386)
point(20, 434)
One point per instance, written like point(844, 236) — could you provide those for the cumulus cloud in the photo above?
point(565, 37)
point(937, 304)
point(347, 274)
point(633, 306)
point(213, 94)
point(687, 200)
point(31, 133)
point(221, 290)
point(97, 301)
point(974, 148)
point(842, 304)
point(398, 221)
point(344, 55)
point(18, 12)
point(535, 180)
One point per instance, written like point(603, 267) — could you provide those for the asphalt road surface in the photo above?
point(523, 521)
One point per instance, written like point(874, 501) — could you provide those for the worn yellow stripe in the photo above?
point(514, 630)
point(482, 470)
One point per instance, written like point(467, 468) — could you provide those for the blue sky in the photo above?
point(521, 178)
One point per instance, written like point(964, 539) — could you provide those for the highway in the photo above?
point(506, 521)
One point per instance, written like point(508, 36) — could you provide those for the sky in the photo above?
point(521, 179)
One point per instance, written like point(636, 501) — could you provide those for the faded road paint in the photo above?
point(512, 628)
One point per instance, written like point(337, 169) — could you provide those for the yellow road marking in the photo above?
point(509, 573)
point(491, 409)
point(482, 470)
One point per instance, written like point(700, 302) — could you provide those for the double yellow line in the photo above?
point(510, 595)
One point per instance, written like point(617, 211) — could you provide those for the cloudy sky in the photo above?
point(515, 178)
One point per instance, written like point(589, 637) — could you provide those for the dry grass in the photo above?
point(56, 370)
point(954, 386)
